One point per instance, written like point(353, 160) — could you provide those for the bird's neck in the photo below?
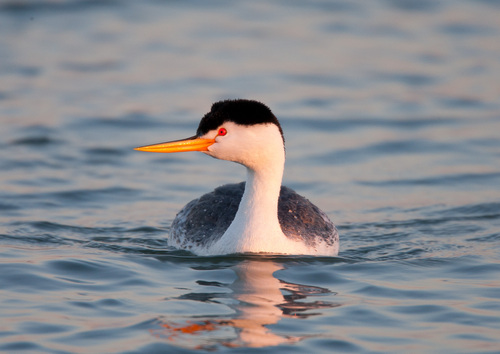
point(259, 204)
point(255, 227)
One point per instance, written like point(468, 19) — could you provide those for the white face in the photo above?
point(253, 146)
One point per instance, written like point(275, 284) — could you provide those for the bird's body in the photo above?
point(200, 225)
point(259, 216)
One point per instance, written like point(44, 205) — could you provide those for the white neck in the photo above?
point(256, 226)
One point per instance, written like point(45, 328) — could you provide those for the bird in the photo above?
point(256, 216)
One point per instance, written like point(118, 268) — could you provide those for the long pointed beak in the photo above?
point(190, 144)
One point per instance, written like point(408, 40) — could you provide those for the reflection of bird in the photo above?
point(259, 216)
point(258, 300)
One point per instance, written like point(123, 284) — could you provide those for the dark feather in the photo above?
point(242, 112)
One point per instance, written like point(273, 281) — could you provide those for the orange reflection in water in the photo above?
point(261, 300)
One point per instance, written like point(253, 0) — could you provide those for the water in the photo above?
point(391, 115)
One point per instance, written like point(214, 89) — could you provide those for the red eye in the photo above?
point(222, 132)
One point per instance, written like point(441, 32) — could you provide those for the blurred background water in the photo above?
point(391, 114)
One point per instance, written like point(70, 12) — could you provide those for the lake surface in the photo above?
point(391, 114)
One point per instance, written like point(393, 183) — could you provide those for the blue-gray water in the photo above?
point(391, 113)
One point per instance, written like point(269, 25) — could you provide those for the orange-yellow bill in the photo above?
point(190, 144)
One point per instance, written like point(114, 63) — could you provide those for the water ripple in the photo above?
point(446, 180)
point(390, 113)
point(50, 6)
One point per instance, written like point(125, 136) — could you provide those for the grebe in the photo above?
point(259, 216)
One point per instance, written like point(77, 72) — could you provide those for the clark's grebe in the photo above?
point(259, 216)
